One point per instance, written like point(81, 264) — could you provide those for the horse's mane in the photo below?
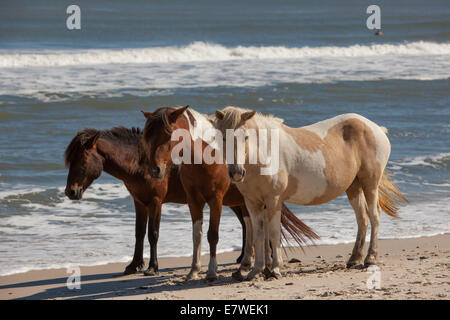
point(159, 115)
point(232, 118)
point(117, 135)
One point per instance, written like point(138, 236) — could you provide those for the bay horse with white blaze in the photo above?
point(203, 182)
point(316, 164)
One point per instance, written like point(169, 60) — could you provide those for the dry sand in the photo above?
point(415, 268)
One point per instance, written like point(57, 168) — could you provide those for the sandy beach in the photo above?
point(416, 268)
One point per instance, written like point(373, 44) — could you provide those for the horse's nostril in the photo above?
point(73, 192)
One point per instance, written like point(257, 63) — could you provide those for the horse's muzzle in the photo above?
point(74, 193)
point(157, 172)
point(237, 176)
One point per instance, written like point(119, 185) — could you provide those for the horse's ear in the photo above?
point(174, 115)
point(91, 141)
point(220, 114)
point(248, 115)
point(147, 114)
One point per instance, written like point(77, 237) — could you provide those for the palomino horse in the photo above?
point(203, 183)
point(317, 163)
point(117, 151)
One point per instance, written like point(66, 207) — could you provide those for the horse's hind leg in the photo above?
point(357, 199)
point(369, 182)
point(371, 194)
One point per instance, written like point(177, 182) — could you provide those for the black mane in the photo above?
point(118, 135)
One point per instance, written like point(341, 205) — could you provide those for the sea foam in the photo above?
point(201, 51)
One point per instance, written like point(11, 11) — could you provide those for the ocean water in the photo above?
point(299, 60)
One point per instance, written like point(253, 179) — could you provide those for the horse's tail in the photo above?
point(299, 231)
point(389, 197)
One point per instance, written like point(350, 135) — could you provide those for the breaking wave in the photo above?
point(202, 51)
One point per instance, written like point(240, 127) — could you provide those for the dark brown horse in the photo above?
point(202, 182)
point(117, 152)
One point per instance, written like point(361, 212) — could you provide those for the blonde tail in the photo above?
point(389, 197)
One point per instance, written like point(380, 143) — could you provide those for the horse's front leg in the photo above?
point(213, 236)
point(257, 219)
point(154, 213)
point(141, 223)
point(196, 208)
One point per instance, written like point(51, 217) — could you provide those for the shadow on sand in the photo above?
point(117, 285)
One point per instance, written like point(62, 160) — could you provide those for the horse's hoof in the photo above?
point(355, 263)
point(267, 273)
point(370, 260)
point(368, 264)
point(129, 271)
point(245, 267)
point(192, 276)
point(237, 275)
point(252, 274)
point(276, 274)
point(211, 278)
point(132, 268)
point(150, 272)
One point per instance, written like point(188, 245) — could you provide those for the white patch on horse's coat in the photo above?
point(321, 128)
point(212, 268)
point(383, 147)
point(306, 167)
point(197, 233)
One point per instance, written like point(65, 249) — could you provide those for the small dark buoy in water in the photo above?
point(379, 33)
